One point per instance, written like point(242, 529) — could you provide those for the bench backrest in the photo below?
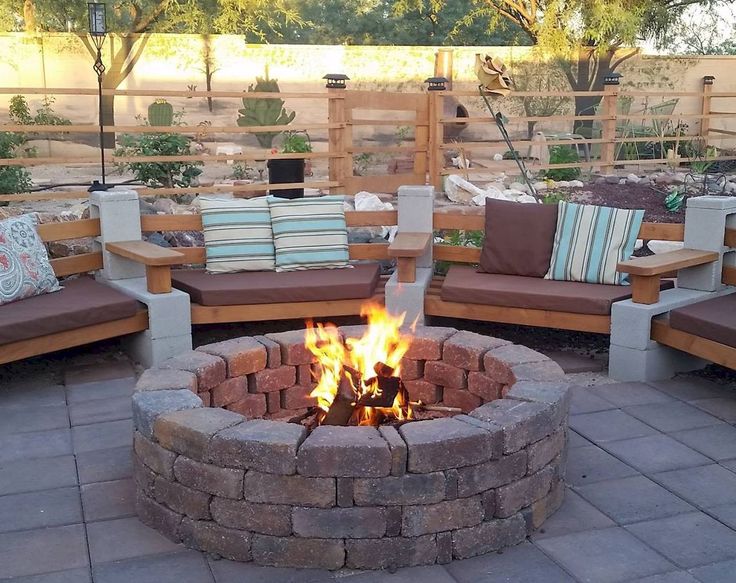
point(455, 221)
point(74, 264)
point(196, 255)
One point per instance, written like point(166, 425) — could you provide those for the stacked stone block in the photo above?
point(235, 480)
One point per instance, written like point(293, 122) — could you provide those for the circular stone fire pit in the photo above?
point(218, 468)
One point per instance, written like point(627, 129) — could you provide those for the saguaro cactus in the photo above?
point(161, 113)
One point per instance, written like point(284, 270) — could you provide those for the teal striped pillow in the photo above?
point(237, 234)
point(591, 240)
point(309, 233)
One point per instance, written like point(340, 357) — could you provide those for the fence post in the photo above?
point(705, 108)
point(435, 155)
point(336, 84)
point(610, 100)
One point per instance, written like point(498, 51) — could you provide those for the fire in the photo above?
point(355, 369)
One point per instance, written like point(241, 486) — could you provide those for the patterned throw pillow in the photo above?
point(237, 234)
point(25, 269)
point(309, 233)
point(591, 240)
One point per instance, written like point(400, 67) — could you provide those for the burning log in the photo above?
point(344, 405)
point(419, 406)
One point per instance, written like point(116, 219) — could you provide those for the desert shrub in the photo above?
point(13, 179)
point(562, 155)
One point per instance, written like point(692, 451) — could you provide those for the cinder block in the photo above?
point(416, 205)
point(658, 363)
point(151, 352)
point(408, 297)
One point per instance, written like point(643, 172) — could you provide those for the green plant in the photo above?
point(13, 179)
point(242, 171)
point(511, 155)
point(20, 113)
point(562, 155)
point(457, 239)
point(161, 113)
point(361, 163)
point(674, 201)
point(402, 134)
point(264, 111)
point(296, 143)
point(553, 197)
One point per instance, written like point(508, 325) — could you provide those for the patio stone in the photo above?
point(723, 407)
point(589, 464)
point(31, 552)
point(671, 577)
point(673, 416)
point(24, 420)
point(37, 474)
point(610, 555)
point(102, 435)
point(427, 574)
point(704, 486)
point(81, 575)
point(726, 514)
point(576, 440)
point(722, 572)
point(576, 514)
point(729, 464)
point(583, 400)
point(100, 390)
point(689, 388)
point(520, 564)
point(633, 499)
point(606, 426)
point(40, 444)
point(717, 442)
point(234, 572)
point(93, 373)
point(22, 395)
point(104, 465)
point(124, 538)
point(99, 410)
point(573, 363)
point(628, 394)
point(40, 509)
point(106, 500)
point(688, 540)
point(182, 567)
point(149, 405)
point(656, 453)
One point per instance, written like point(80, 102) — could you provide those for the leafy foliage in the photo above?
point(13, 179)
point(562, 155)
point(296, 143)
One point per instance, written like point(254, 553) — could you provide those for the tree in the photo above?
point(709, 31)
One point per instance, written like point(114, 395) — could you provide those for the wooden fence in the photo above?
point(425, 112)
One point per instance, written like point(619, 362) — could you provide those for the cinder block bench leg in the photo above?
point(408, 297)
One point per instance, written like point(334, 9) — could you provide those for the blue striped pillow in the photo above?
point(237, 234)
point(309, 233)
point(591, 240)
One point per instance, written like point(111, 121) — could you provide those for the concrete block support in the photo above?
point(408, 297)
point(655, 363)
point(120, 220)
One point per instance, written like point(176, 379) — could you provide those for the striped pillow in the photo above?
point(590, 241)
point(309, 233)
point(237, 234)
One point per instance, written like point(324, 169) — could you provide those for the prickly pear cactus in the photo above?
point(266, 111)
point(161, 113)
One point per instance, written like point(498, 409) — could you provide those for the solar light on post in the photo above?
point(98, 32)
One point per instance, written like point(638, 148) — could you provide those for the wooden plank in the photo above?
point(70, 338)
point(186, 130)
point(371, 218)
point(146, 253)
point(461, 221)
point(435, 306)
point(695, 345)
point(664, 262)
point(158, 279)
point(729, 239)
point(645, 289)
point(69, 230)
point(729, 275)
point(662, 231)
point(406, 270)
point(389, 183)
point(77, 91)
point(374, 251)
point(82, 263)
point(409, 244)
point(456, 254)
point(384, 100)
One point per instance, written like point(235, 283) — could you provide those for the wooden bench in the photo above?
point(435, 306)
point(159, 264)
point(82, 263)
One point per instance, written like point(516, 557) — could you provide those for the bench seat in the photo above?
point(270, 287)
point(465, 285)
point(82, 302)
point(713, 319)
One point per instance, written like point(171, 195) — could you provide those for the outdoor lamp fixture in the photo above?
point(98, 32)
point(336, 80)
point(612, 79)
point(436, 83)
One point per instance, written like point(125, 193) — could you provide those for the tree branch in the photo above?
point(617, 63)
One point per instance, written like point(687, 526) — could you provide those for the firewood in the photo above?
point(419, 406)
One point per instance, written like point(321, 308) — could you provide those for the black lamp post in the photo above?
point(436, 83)
point(336, 80)
point(98, 32)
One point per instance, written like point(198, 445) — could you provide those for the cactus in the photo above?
point(161, 113)
point(267, 111)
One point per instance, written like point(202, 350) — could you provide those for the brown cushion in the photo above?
point(270, 287)
point(82, 302)
point(464, 284)
point(519, 238)
point(712, 319)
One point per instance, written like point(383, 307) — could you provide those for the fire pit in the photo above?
point(445, 444)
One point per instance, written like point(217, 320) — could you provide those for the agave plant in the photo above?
point(266, 111)
point(674, 200)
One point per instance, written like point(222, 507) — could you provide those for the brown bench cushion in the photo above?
point(713, 319)
point(82, 302)
point(464, 284)
point(270, 287)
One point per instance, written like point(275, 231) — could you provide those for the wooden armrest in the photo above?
point(409, 244)
point(146, 253)
point(406, 247)
point(158, 261)
point(662, 263)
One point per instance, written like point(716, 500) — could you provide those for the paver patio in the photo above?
point(651, 498)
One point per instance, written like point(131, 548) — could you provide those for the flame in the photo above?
point(356, 359)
